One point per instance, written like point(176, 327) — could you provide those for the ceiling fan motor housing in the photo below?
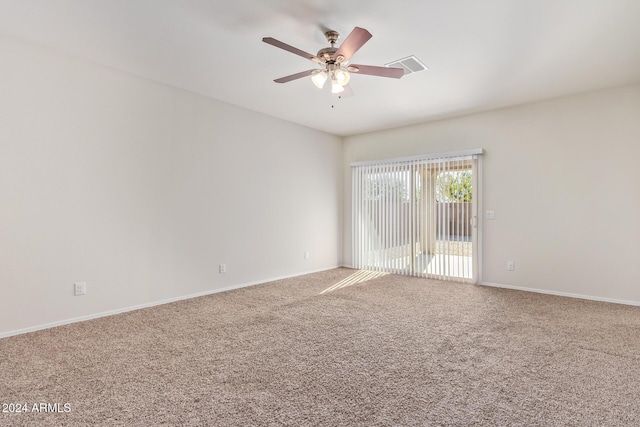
point(327, 54)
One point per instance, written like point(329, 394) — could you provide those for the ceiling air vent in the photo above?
point(410, 65)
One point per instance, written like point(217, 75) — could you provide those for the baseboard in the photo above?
point(153, 304)
point(562, 294)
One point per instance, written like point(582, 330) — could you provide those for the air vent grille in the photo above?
point(410, 65)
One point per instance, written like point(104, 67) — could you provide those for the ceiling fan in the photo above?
point(333, 62)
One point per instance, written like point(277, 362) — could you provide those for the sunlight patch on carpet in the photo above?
point(357, 277)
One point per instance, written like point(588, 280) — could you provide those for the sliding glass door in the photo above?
point(417, 216)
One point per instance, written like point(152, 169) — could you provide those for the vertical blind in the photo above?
point(417, 216)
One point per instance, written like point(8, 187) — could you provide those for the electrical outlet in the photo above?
point(80, 288)
point(306, 255)
point(511, 265)
point(222, 268)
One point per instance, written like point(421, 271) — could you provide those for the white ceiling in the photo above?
point(481, 54)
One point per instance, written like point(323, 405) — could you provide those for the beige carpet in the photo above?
point(391, 351)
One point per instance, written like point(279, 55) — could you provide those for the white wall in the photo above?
point(563, 178)
point(141, 190)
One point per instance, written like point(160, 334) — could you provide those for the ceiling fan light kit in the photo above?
point(334, 61)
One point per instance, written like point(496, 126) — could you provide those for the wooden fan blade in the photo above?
point(371, 70)
point(289, 48)
point(294, 76)
point(354, 41)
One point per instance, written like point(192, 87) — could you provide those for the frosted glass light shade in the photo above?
point(342, 77)
point(319, 78)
